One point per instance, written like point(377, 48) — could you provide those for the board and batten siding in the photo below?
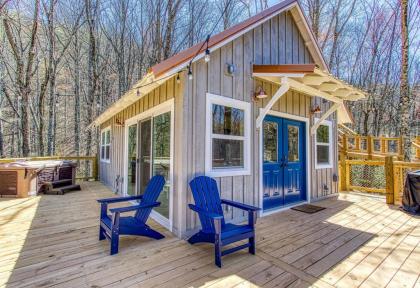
point(276, 41)
point(112, 173)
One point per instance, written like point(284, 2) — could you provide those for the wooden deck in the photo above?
point(52, 241)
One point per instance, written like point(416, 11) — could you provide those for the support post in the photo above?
point(389, 176)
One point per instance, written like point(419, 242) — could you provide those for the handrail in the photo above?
point(371, 147)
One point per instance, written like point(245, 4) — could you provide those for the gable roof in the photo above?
point(162, 71)
point(239, 29)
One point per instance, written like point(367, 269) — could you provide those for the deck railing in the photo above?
point(370, 147)
point(87, 166)
point(376, 176)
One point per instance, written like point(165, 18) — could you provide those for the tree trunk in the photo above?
point(76, 72)
point(404, 105)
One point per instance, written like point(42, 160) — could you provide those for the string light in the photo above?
point(207, 56)
point(190, 75)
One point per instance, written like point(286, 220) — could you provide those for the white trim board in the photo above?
point(104, 130)
point(234, 103)
point(308, 161)
point(330, 145)
point(167, 106)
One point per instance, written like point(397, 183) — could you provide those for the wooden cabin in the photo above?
point(258, 112)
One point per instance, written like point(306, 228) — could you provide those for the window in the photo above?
point(105, 144)
point(227, 136)
point(323, 145)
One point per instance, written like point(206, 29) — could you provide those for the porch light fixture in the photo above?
point(118, 122)
point(260, 93)
point(178, 80)
point(316, 109)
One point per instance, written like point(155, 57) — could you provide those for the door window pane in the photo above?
point(322, 154)
point(270, 141)
point(293, 143)
point(145, 144)
point(228, 153)
point(322, 134)
point(228, 120)
point(161, 158)
point(132, 159)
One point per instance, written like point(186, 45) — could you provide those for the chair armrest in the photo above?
point(213, 216)
point(240, 205)
point(120, 199)
point(133, 208)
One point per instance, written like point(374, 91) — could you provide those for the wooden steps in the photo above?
point(60, 187)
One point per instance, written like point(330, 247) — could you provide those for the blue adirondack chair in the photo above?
point(112, 226)
point(214, 230)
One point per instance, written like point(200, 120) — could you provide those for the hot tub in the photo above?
point(26, 178)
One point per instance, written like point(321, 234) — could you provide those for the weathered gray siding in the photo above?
point(277, 41)
point(109, 172)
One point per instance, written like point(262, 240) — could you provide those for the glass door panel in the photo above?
point(144, 154)
point(132, 159)
point(161, 158)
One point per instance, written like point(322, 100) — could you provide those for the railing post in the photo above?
point(357, 143)
point(383, 141)
point(343, 174)
point(95, 168)
point(369, 147)
point(345, 146)
point(400, 148)
point(389, 176)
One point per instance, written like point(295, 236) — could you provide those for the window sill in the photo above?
point(105, 161)
point(228, 172)
point(323, 166)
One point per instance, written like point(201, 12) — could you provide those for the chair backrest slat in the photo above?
point(151, 194)
point(206, 196)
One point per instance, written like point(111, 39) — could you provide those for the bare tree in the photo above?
point(24, 59)
point(404, 104)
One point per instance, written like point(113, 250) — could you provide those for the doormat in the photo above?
point(308, 208)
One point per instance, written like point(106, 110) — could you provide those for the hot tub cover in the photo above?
point(411, 195)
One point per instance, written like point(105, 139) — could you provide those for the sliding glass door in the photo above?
point(149, 154)
point(161, 158)
point(132, 159)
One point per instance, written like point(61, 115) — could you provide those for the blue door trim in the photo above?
point(284, 162)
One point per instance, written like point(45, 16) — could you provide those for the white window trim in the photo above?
point(234, 103)
point(104, 160)
point(329, 144)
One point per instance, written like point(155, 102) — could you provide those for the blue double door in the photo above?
point(284, 166)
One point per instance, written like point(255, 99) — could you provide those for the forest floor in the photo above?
point(356, 241)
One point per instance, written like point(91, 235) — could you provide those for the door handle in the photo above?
point(282, 161)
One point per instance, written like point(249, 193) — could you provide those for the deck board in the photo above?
point(51, 241)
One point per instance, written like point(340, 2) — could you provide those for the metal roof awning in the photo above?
point(308, 79)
